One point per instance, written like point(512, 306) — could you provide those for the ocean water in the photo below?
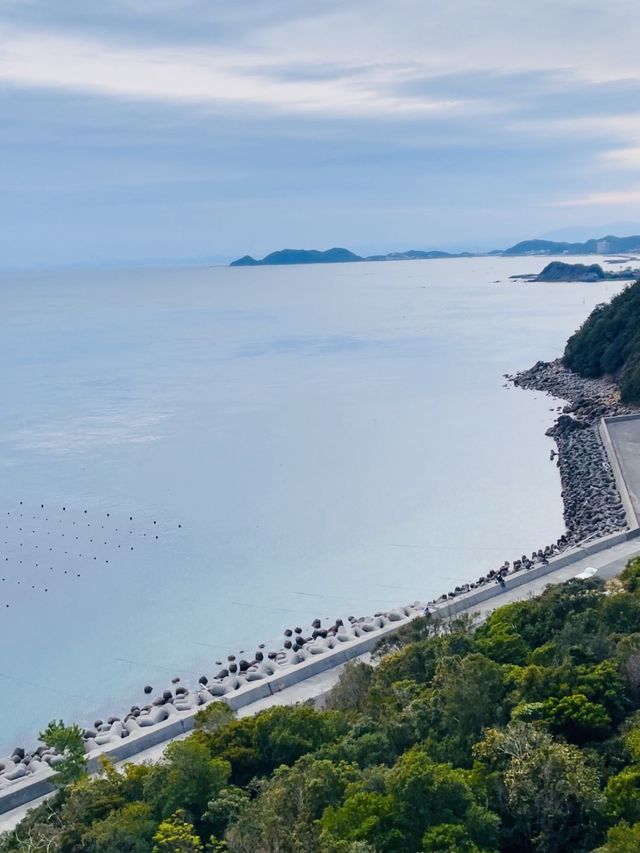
point(193, 460)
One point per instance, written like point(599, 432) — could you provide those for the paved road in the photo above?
point(625, 437)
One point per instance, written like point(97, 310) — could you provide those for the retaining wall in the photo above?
point(616, 466)
point(181, 722)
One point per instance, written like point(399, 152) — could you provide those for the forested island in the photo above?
point(560, 271)
point(336, 256)
point(522, 734)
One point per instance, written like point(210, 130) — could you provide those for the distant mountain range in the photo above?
point(337, 256)
point(609, 245)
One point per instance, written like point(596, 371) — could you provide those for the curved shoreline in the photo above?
point(592, 504)
point(592, 509)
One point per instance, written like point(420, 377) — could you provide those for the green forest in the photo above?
point(609, 343)
point(520, 734)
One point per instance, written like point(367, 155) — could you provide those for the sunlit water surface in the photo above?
point(193, 460)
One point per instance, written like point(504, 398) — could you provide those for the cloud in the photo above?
point(200, 126)
point(360, 57)
point(203, 76)
point(627, 159)
point(613, 198)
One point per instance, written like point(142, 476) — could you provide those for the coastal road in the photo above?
point(608, 564)
point(625, 438)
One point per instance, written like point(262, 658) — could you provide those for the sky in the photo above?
point(175, 129)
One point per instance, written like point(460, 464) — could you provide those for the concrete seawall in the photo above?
point(29, 789)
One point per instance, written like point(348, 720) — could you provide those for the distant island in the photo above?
point(596, 246)
point(336, 256)
point(559, 271)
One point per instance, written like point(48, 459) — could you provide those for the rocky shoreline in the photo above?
point(592, 508)
point(592, 505)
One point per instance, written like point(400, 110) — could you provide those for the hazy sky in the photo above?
point(161, 128)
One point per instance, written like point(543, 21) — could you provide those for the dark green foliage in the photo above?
point(213, 717)
point(560, 271)
point(350, 693)
point(630, 576)
point(256, 746)
point(609, 343)
point(225, 809)
point(187, 779)
point(129, 829)
point(521, 736)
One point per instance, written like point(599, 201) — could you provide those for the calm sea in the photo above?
point(193, 460)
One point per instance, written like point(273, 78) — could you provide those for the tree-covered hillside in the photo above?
point(521, 735)
point(609, 343)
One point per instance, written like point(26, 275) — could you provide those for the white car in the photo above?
point(589, 572)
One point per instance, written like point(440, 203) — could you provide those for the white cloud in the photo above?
point(272, 59)
point(203, 75)
point(627, 159)
point(582, 37)
point(612, 198)
point(305, 108)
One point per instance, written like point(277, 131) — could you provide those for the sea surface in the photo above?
point(193, 460)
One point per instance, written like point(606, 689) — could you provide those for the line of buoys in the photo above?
point(83, 555)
